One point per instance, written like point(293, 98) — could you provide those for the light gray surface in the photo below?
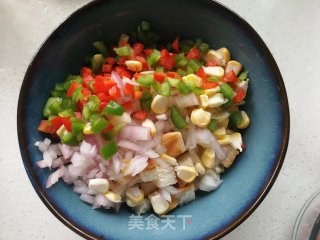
point(290, 28)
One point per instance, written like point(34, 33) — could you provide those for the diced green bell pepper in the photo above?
point(99, 124)
point(212, 125)
point(177, 119)
point(146, 80)
point(124, 51)
point(226, 91)
point(235, 118)
point(243, 76)
point(153, 57)
point(113, 108)
point(101, 47)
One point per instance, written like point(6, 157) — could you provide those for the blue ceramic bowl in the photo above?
point(245, 184)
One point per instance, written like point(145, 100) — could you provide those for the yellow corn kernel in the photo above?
point(236, 141)
point(211, 91)
point(225, 53)
point(225, 141)
point(186, 173)
point(134, 65)
point(160, 104)
point(200, 168)
point(245, 121)
point(135, 195)
point(234, 66)
point(113, 197)
point(204, 99)
point(220, 132)
point(87, 129)
point(200, 117)
point(208, 158)
point(194, 79)
point(216, 72)
point(61, 130)
point(224, 123)
point(213, 55)
point(171, 160)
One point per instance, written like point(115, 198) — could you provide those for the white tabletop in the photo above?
point(290, 28)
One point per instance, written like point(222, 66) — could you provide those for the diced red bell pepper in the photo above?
point(115, 92)
point(67, 123)
point(171, 74)
point(86, 92)
point(230, 77)
point(56, 123)
point(123, 72)
point(85, 71)
point(148, 51)
point(240, 95)
point(137, 95)
point(194, 53)
point(138, 48)
point(128, 89)
point(159, 76)
point(86, 80)
point(208, 85)
point(140, 115)
point(243, 146)
point(176, 44)
point(201, 73)
point(110, 60)
point(122, 60)
point(127, 105)
point(107, 128)
point(123, 43)
point(137, 75)
point(103, 87)
point(106, 68)
point(46, 127)
point(102, 106)
point(166, 60)
point(72, 88)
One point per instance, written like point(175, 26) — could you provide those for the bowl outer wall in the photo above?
point(245, 184)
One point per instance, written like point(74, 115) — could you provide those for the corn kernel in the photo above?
point(208, 158)
point(225, 53)
point(148, 123)
point(113, 197)
point(160, 104)
point(171, 160)
point(234, 66)
point(220, 132)
point(200, 117)
point(87, 129)
point(186, 173)
point(134, 65)
point(245, 121)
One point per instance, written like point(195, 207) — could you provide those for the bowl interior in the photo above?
point(244, 185)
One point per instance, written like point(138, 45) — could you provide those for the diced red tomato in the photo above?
point(138, 48)
point(115, 92)
point(123, 72)
point(230, 77)
point(123, 43)
point(166, 60)
point(159, 76)
point(176, 44)
point(140, 115)
point(171, 74)
point(127, 105)
point(211, 63)
point(56, 123)
point(122, 60)
point(143, 62)
point(148, 51)
point(85, 71)
point(103, 86)
point(67, 123)
point(86, 92)
point(240, 95)
point(208, 85)
point(102, 106)
point(137, 95)
point(107, 128)
point(110, 60)
point(86, 80)
point(194, 53)
point(72, 88)
point(201, 74)
point(137, 75)
point(107, 68)
point(46, 127)
point(128, 89)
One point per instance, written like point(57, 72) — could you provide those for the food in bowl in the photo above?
point(146, 124)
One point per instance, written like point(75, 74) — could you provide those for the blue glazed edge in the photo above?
point(250, 207)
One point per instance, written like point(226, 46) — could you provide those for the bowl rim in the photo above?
point(246, 213)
